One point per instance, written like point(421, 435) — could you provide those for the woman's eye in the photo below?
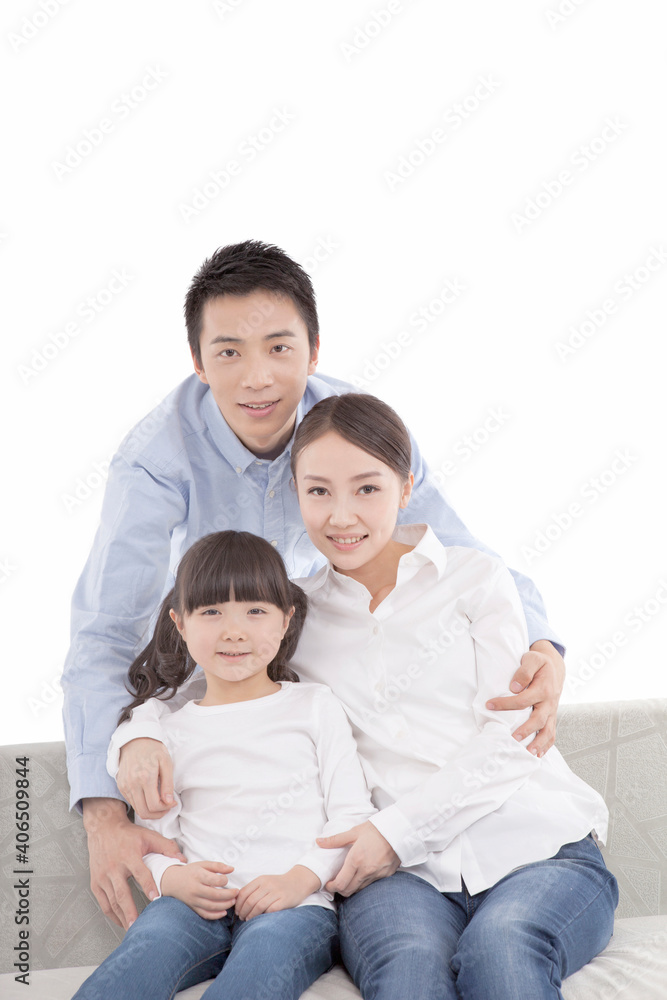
point(367, 490)
point(317, 491)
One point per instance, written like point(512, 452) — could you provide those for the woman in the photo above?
point(502, 891)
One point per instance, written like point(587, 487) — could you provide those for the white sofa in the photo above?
point(619, 748)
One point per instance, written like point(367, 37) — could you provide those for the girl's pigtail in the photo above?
point(161, 668)
point(278, 669)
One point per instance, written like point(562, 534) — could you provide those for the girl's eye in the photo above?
point(210, 611)
point(317, 491)
point(256, 611)
point(367, 490)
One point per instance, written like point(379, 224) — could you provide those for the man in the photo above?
point(215, 455)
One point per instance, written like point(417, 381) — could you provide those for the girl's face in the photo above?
point(349, 501)
point(235, 641)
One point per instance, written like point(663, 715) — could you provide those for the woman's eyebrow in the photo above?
point(362, 475)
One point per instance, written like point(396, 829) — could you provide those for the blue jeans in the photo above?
point(169, 947)
point(400, 937)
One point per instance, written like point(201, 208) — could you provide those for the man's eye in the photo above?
point(280, 348)
point(228, 352)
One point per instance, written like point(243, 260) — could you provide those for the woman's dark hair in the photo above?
point(243, 268)
point(364, 421)
point(224, 566)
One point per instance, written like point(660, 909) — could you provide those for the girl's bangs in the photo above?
point(235, 566)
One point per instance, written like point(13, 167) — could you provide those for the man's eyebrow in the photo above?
point(362, 475)
point(222, 339)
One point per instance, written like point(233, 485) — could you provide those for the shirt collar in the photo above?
point(226, 441)
point(427, 549)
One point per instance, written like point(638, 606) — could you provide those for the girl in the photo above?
point(478, 877)
point(262, 765)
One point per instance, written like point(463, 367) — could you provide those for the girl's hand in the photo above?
point(371, 857)
point(269, 893)
point(145, 777)
point(202, 885)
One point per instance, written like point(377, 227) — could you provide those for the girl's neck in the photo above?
point(379, 575)
point(221, 692)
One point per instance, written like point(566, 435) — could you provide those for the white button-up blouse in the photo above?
point(458, 796)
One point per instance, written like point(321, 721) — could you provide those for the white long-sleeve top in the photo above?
point(257, 781)
point(457, 796)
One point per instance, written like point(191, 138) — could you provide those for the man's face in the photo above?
point(256, 359)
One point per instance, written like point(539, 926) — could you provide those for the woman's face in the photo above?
point(349, 501)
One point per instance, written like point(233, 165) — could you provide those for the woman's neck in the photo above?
point(379, 575)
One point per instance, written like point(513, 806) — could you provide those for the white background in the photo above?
point(358, 97)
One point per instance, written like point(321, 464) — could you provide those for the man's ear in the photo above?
point(199, 369)
point(314, 358)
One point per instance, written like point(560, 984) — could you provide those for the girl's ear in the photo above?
point(407, 491)
point(287, 619)
point(178, 622)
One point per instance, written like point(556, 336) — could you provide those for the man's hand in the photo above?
point(202, 885)
point(371, 857)
point(269, 893)
point(116, 849)
point(146, 777)
point(539, 680)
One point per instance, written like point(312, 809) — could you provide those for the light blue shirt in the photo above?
point(182, 473)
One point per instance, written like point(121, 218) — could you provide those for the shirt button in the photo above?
point(272, 493)
point(274, 543)
point(376, 629)
point(239, 469)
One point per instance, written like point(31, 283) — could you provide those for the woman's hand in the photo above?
point(202, 885)
point(539, 680)
point(269, 893)
point(371, 857)
point(145, 777)
point(116, 848)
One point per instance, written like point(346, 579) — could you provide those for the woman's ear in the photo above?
point(287, 619)
point(407, 490)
